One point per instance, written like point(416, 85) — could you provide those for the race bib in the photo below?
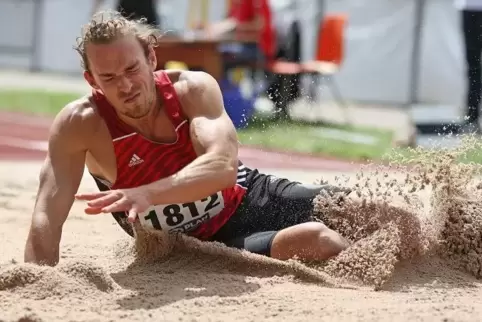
point(182, 217)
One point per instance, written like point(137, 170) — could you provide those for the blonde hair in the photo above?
point(107, 26)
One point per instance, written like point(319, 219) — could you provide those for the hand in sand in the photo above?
point(132, 201)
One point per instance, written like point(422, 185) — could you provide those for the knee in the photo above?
point(333, 242)
point(327, 239)
point(311, 241)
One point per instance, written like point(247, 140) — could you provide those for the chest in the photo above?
point(140, 161)
point(131, 160)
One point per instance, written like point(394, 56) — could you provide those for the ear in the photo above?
point(152, 58)
point(90, 79)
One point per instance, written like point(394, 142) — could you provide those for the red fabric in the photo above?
point(246, 10)
point(141, 161)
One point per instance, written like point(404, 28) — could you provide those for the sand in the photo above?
point(415, 255)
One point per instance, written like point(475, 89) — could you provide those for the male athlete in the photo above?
point(163, 151)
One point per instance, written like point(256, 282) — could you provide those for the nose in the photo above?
point(124, 84)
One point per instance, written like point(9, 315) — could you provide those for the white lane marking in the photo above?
point(24, 144)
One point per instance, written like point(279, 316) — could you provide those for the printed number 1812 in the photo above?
point(173, 215)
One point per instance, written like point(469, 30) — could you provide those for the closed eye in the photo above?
point(133, 69)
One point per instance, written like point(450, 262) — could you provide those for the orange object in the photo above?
point(330, 50)
point(329, 55)
point(330, 47)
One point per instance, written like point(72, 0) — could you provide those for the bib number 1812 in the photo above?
point(170, 216)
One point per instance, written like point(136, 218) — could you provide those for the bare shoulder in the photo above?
point(197, 91)
point(196, 82)
point(76, 122)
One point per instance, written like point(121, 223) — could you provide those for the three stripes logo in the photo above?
point(135, 160)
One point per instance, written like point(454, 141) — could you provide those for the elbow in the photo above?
point(232, 175)
point(230, 171)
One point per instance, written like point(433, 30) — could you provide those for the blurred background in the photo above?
point(349, 79)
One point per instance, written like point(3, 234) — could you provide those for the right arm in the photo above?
point(249, 13)
point(60, 178)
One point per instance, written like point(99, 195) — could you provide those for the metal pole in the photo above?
point(320, 12)
point(37, 34)
point(416, 49)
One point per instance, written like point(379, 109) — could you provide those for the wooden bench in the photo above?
point(197, 54)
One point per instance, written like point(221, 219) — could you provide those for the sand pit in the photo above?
point(415, 258)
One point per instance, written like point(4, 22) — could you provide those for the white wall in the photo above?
point(378, 49)
point(62, 20)
point(378, 46)
point(61, 24)
point(442, 65)
point(16, 25)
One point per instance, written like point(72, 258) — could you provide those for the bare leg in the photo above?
point(307, 241)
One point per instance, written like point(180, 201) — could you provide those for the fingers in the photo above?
point(93, 211)
point(105, 200)
point(132, 215)
point(91, 196)
point(116, 206)
point(108, 202)
point(119, 205)
point(123, 205)
point(102, 202)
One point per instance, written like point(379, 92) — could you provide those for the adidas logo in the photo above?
point(135, 160)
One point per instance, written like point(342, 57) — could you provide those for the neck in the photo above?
point(145, 124)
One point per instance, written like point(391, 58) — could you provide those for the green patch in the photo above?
point(469, 151)
point(352, 143)
point(347, 142)
point(35, 101)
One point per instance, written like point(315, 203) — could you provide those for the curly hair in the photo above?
point(107, 26)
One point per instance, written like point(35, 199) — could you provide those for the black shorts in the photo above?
point(270, 205)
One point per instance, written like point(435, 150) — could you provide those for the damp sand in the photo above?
point(415, 254)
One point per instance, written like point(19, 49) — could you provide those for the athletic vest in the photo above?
point(141, 161)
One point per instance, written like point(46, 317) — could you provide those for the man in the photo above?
point(250, 22)
point(471, 16)
point(163, 151)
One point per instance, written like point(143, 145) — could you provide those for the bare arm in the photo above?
point(214, 139)
point(59, 180)
point(220, 28)
point(230, 24)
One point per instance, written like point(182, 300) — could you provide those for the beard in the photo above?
point(142, 107)
point(138, 111)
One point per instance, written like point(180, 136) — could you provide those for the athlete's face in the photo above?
point(123, 73)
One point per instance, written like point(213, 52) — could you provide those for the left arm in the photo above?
point(214, 139)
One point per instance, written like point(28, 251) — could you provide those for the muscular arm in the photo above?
point(214, 139)
point(59, 180)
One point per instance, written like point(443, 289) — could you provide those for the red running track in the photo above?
point(24, 137)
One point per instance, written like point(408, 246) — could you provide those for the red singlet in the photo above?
point(141, 161)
